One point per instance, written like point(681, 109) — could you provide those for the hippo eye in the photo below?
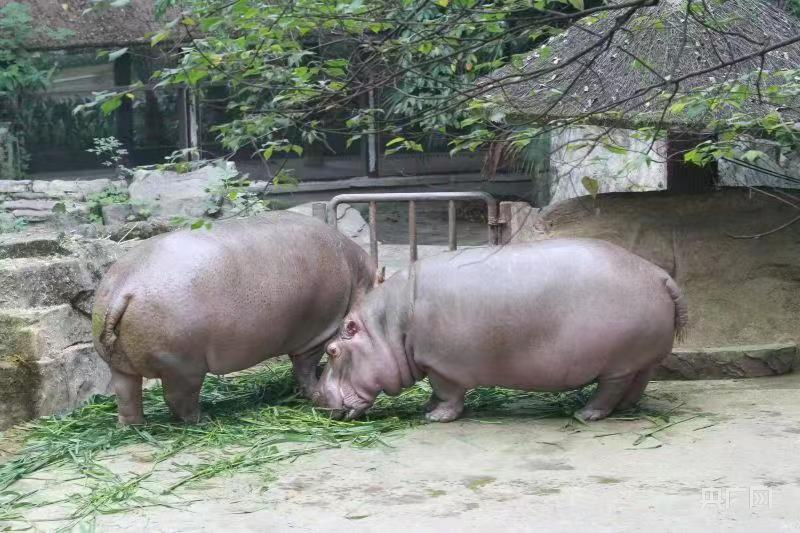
point(350, 329)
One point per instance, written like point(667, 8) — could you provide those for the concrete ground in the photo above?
point(512, 473)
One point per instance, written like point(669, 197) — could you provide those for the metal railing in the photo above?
point(330, 215)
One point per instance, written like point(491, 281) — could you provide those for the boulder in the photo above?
point(116, 214)
point(349, 221)
point(173, 194)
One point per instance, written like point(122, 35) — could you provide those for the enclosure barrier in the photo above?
point(327, 212)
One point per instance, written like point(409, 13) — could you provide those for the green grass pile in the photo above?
point(255, 420)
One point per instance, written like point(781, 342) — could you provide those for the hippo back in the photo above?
point(234, 294)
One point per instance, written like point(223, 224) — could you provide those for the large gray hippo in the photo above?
point(221, 300)
point(546, 316)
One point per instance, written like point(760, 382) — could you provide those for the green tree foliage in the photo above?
point(20, 70)
point(408, 68)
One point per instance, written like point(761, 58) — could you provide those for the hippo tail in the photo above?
point(107, 334)
point(681, 310)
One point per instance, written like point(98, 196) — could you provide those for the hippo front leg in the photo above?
point(304, 367)
point(447, 401)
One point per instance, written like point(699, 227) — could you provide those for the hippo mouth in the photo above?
point(353, 406)
point(346, 413)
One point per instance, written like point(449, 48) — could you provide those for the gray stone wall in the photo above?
point(48, 364)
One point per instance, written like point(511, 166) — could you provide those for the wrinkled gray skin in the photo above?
point(546, 316)
point(221, 300)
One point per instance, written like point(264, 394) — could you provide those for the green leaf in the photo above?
point(267, 153)
point(113, 56)
point(677, 107)
point(752, 155)
point(615, 149)
point(591, 185)
point(111, 105)
point(158, 37)
point(577, 4)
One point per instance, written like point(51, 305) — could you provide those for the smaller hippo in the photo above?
point(553, 315)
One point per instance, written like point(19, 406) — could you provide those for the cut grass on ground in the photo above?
point(255, 420)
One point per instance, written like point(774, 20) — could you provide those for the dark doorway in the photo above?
point(683, 177)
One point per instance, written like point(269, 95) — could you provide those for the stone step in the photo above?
point(50, 386)
point(31, 244)
point(19, 382)
point(39, 282)
point(39, 334)
point(70, 378)
point(48, 364)
point(729, 362)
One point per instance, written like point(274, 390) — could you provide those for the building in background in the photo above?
point(158, 122)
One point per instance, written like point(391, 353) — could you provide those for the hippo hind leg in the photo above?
point(447, 400)
point(636, 389)
point(610, 391)
point(181, 380)
point(128, 389)
point(182, 395)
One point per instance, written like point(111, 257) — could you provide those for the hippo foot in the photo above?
point(444, 413)
point(190, 420)
point(432, 404)
point(305, 393)
point(126, 421)
point(591, 415)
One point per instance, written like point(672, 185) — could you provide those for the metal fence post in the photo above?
point(320, 210)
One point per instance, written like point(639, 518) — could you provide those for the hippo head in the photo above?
point(363, 360)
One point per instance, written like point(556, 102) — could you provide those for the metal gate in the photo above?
point(327, 212)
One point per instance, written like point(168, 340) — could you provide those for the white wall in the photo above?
point(614, 172)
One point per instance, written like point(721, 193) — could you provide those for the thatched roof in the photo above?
point(662, 37)
point(62, 24)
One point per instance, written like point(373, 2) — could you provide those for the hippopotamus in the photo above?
point(552, 315)
point(223, 299)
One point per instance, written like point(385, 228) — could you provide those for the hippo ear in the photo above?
point(380, 277)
